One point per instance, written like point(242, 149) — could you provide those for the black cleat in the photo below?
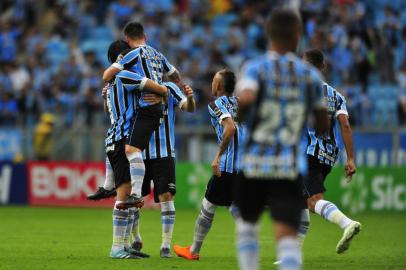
point(132, 201)
point(137, 253)
point(102, 193)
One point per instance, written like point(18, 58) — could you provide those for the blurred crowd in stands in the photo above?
point(53, 52)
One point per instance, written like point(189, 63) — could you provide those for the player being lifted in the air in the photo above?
point(121, 103)
point(150, 63)
point(278, 91)
point(225, 165)
point(322, 152)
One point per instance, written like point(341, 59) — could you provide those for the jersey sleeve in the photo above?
point(129, 60)
point(132, 81)
point(178, 96)
point(169, 69)
point(341, 105)
point(249, 78)
point(218, 111)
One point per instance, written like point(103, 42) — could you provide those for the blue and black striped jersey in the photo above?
point(162, 142)
point(121, 104)
point(287, 91)
point(325, 146)
point(147, 62)
point(224, 107)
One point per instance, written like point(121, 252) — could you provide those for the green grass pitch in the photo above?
point(73, 238)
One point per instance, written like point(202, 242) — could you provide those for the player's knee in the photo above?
point(165, 197)
point(131, 149)
point(311, 202)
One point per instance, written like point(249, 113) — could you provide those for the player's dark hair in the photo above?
point(315, 57)
point(228, 80)
point(283, 25)
point(116, 48)
point(134, 30)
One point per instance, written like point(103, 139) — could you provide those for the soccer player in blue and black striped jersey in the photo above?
point(226, 163)
point(159, 159)
point(278, 93)
point(322, 152)
point(121, 103)
point(152, 64)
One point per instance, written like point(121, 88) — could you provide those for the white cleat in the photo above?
point(353, 229)
point(277, 263)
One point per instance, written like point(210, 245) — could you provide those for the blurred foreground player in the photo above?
point(278, 91)
point(121, 102)
point(322, 152)
point(223, 112)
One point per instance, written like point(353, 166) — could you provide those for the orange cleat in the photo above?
point(184, 252)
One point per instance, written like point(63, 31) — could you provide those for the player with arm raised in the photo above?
point(225, 164)
point(159, 159)
point(152, 64)
point(322, 152)
point(121, 102)
point(279, 92)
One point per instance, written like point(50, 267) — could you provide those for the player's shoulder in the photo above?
point(254, 63)
point(216, 104)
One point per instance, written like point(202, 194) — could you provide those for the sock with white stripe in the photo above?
point(127, 238)
point(137, 172)
point(289, 253)
point(109, 181)
point(168, 221)
point(203, 225)
point(136, 226)
point(304, 226)
point(120, 221)
point(247, 245)
point(330, 212)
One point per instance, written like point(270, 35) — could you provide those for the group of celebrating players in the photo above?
point(277, 142)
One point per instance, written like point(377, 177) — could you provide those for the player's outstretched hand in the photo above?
point(152, 98)
point(188, 91)
point(215, 166)
point(104, 91)
point(350, 169)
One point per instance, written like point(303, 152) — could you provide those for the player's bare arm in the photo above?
point(104, 95)
point(190, 104)
point(175, 77)
point(152, 98)
point(156, 88)
point(346, 133)
point(228, 134)
point(109, 73)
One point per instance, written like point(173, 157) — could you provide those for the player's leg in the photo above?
point(303, 226)
point(332, 213)
point(108, 189)
point(218, 193)
point(250, 200)
point(286, 203)
point(164, 178)
point(120, 169)
point(146, 121)
point(168, 216)
point(202, 227)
